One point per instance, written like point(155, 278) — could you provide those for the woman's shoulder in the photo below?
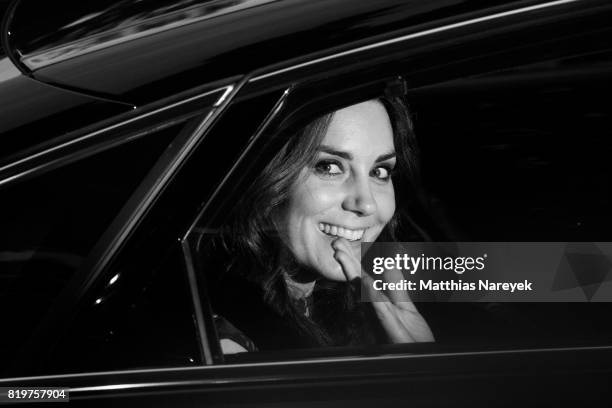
point(232, 339)
point(245, 314)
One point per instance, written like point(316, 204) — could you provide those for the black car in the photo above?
point(128, 128)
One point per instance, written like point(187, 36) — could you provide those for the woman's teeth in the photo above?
point(334, 230)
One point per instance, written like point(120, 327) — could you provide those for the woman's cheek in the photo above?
point(315, 195)
point(387, 204)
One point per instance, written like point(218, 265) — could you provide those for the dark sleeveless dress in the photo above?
point(245, 317)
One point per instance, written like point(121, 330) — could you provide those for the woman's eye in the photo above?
point(328, 168)
point(382, 173)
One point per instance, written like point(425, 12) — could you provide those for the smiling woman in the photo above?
point(346, 196)
point(295, 238)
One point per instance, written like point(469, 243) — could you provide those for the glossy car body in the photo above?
point(233, 75)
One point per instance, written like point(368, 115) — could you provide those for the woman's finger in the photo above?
point(347, 262)
point(342, 243)
point(351, 267)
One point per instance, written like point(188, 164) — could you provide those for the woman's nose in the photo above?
point(359, 198)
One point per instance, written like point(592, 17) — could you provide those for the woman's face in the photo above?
point(347, 192)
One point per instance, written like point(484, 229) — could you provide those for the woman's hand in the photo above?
point(397, 314)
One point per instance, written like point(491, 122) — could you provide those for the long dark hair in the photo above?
point(259, 254)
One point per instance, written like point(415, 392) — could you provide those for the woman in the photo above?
point(295, 240)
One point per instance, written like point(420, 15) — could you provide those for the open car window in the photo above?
point(514, 154)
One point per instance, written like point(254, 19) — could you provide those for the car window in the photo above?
point(52, 221)
point(516, 154)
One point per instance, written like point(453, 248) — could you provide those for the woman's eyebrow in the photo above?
point(335, 152)
point(385, 156)
point(349, 156)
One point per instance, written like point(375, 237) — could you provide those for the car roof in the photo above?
point(119, 49)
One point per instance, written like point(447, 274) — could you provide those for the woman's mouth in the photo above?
point(337, 231)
